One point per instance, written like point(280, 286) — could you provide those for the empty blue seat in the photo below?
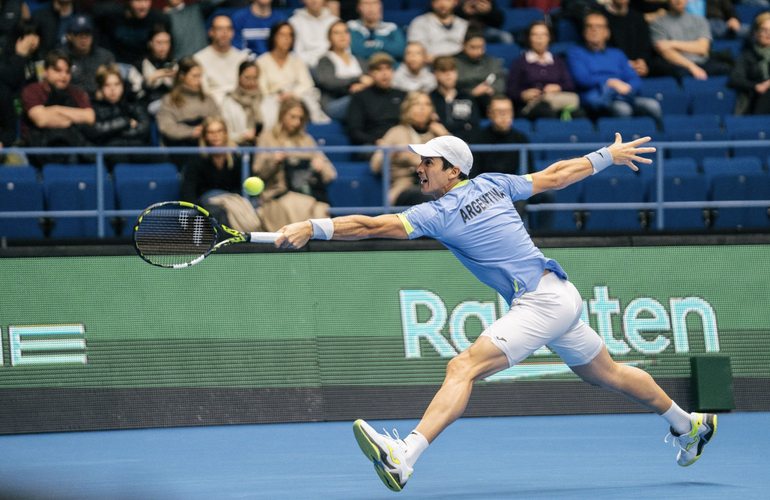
point(629, 128)
point(567, 220)
point(691, 84)
point(718, 102)
point(560, 48)
point(751, 135)
point(741, 187)
point(698, 123)
point(701, 152)
point(73, 187)
point(680, 167)
point(517, 20)
point(358, 191)
point(555, 125)
point(20, 191)
point(523, 126)
point(507, 52)
point(692, 187)
point(753, 123)
point(336, 140)
point(565, 137)
point(740, 165)
point(319, 130)
point(666, 91)
point(613, 189)
point(734, 46)
point(401, 17)
point(137, 186)
point(568, 31)
point(352, 168)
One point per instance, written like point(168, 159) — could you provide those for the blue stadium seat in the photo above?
point(629, 128)
point(740, 165)
point(567, 220)
point(561, 48)
point(751, 135)
point(507, 52)
point(568, 31)
point(697, 153)
point(613, 189)
point(753, 123)
point(319, 130)
point(352, 168)
point(563, 137)
point(691, 84)
point(356, 191)
point(696, 123)
point(741, 187)
point(719, 102)
point(335, 140)
point(666, 91)
point(402, 17)
point(693, 187)
point(137, 186)
point(524, 126)
point(555, 125)
point(747, 12)
point(73, 187)
point(518, 20)
point(680, 167)
point(20, 191)
point(734, 46)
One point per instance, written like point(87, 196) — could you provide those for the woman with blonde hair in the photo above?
point(418, 124)
point(295, 182)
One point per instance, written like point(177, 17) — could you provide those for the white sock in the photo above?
point(678, 419)
point(415, 445)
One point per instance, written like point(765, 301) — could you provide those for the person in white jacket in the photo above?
point(220, 60)
point(311, 27)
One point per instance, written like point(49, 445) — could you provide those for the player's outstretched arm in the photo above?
point(566, 172)
point(349, 227)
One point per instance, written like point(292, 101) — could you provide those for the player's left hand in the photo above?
point(295, 235)
point(626, 153)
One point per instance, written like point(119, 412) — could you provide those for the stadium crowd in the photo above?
point(142, 72)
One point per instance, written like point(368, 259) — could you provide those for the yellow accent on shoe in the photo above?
point(395, 460)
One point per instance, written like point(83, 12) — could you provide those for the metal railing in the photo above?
point(525, 150)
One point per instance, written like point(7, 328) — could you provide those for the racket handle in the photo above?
point(263, 237)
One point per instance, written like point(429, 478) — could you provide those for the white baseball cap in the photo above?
point(451, 148)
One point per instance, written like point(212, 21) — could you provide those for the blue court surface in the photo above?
point(565, 457)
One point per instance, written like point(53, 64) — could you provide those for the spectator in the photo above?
point(158, 68)
point(414, 73)
point(252, 25)
point(311, 28)
point(183, 110)
point(374, 110)
point(439, 31)
point(751, 74)
point(86, 57)
point(241, 107)
point(630, 33)
point(220, 60)
point(370, 34)
point(117, 123)
point(721, 16)
point(283, 75)
point(295, 182)
point(479, 74)
point(188, 24)
point(53, 112)
point(52, 22)
point(684, 41)
point(208, 176)
point(539, 83)
point(340, 74)
point(456, 109)
point(18, 67)
point(486, 16)
point(125, 29)
point(12, 12)
point(607, 83)
point(417, 125)
point(500, 113)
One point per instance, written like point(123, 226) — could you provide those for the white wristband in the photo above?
point(323, 229)
point(600, 159)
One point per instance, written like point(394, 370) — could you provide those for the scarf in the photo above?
point(764, 62)
point(250, 101)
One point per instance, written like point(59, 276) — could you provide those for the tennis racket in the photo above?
point(176, 234)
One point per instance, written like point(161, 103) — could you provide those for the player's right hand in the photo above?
point(295, 235)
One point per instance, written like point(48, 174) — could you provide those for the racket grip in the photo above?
point(263, 237)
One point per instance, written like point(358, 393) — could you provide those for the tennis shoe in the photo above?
point(386, 453)
point(691, 444)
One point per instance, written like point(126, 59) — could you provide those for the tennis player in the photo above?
point(475, 219)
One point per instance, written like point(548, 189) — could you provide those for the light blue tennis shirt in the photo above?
point(477, 222)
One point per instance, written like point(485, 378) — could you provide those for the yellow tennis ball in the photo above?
point(254, 185)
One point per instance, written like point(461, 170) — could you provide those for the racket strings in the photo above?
point(170, 236)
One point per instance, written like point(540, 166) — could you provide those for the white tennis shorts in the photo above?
point(548, 316)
